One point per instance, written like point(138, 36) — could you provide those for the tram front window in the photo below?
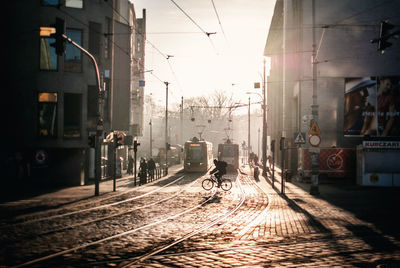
point(195, 153)
point(228, 151)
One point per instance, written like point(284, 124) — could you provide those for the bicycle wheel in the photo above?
point(207, 184)
point(226, 184)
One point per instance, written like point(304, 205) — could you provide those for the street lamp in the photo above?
point(264, 133)
point(248, 133)
point(166, 127)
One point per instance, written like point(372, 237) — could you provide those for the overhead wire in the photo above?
point(187, 15)
point(364, 11)
point(195, 23)
point(157, 49)
point(88, 26)
point(140, 33)
point(219, 20)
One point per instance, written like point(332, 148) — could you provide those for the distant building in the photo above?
point(345, 58)
point(53, 99)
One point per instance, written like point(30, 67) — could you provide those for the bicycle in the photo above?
point(210, 182)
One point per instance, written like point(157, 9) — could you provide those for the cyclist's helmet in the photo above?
point(215, 161)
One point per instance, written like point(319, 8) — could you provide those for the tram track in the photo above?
point(103, 241)
point(192, 233)
point(104, 206)
point(244, 216)
point(113, 215)
point(112, 237)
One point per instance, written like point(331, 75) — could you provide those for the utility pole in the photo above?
point(98, 115)
point(248, 134)
point(181, 134)
point(258, 143)
point(264, 133)
point(166, 127)
point(151, 138)
point(314, 111)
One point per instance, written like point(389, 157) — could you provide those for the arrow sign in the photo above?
point(299, 138)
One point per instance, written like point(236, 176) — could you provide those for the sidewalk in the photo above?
point(352, 223)
point(40, 199)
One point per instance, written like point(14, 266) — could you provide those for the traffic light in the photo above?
point(59, 37)
point(384, 35)
point(135, 145)
point(92, 141)
point(168, 146)
point(282, 143)
point(273, 146)
point(118, 139)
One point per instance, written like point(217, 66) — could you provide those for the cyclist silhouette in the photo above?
point(219, 170)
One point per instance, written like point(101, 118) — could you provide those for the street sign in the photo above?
point(314, 140)
point(314, 130)
point(299, 138)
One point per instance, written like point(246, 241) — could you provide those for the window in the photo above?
point(48, 56)
point(94, 38)
point(107, 43)
point(50, 2)
point(74, 3)
point(47, 117)
point(92, 99)
point(72, 115)
point(73, 56)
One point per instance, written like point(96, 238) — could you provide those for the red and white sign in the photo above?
point(314, 140)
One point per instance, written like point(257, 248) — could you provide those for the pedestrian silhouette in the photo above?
point(151, 165)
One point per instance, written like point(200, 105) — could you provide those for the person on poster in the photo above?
point(360, 109)
point(386, 106)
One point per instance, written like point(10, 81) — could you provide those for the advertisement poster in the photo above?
point(372, 106)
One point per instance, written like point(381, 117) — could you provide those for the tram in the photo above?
point(174, 155)
point(229, 152)
point(198, 155)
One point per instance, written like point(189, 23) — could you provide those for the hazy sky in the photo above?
point(202, 64)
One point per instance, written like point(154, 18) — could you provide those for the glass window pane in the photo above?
point(94, 37)
point(73, 56)
point(47, 118)
point(74, 3)
point(50, 2)
point(72, 115)
point(48, 56)
point(47, 97)
point(92, 99)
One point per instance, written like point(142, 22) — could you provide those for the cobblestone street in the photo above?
point(174, 222)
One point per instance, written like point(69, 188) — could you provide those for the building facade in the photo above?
point(55, 98)
point(321, 52)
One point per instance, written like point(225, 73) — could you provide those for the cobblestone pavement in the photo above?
point(345, 226)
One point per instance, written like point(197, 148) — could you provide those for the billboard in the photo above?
point(372, 106)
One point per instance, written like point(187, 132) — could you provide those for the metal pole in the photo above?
point(282, 145)
point(314, 109)
point(181, 138)
point(248, 134)
point(115, 161)
point(134, 163)
point(151, 138)
point(264, 134)
point(166, 128)
point(98, 115)
point(258, 143)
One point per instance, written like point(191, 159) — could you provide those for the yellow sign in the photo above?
point(314, 130)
